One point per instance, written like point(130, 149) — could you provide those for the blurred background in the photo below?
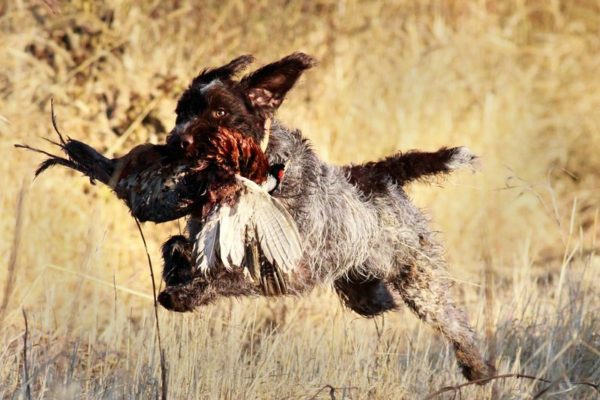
point(515, 80)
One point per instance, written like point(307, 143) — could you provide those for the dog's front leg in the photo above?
point(177, 259)
point(203, 290)
point(187, 296)
point(187, 289)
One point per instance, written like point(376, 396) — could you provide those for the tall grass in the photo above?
point(515, 80)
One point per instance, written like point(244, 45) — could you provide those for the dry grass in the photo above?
point(517, 81)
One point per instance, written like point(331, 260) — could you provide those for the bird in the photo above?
point(242, 225)
point(155, 184)
point(226, 187)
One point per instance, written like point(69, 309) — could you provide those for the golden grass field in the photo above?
point(517, 81)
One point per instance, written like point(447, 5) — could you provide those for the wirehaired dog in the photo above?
point(360, 230)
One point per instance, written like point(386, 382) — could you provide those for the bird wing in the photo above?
point(257, 233)
point(207, 241)
point(274, 228)
point(232, 235)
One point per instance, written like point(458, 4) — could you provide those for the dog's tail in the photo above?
point(403, 168)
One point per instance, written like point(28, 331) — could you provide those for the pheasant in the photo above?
point(225, 187)
point(242, 225)
point(154, 183)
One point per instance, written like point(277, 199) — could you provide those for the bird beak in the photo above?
point(264, 143)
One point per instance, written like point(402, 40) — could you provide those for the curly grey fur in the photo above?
point(368, 238)
point(346, 231)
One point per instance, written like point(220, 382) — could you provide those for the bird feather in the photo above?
point(206, 245)
point(256, 230)
point(232, 233)
point(277, 234)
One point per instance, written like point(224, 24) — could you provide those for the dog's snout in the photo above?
point(186, 141)
point(180, 141)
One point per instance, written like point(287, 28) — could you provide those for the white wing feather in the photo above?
point(277, 233)
point(206, 243)
point(223, 235)
point(232, 236)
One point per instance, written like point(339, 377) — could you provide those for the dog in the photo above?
point(360, 231)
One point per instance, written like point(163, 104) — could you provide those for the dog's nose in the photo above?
point(186, 141)
point(180, 141)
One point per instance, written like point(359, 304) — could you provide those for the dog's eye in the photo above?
point(220, 113)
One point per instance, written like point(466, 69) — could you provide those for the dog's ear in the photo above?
point(226, 71)
point(267, 86)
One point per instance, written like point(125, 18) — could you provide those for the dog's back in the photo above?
point(363, 234)
point(351, 226)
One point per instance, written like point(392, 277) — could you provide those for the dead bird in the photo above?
point(242, 225)
point(155, 184)
point(226, 186)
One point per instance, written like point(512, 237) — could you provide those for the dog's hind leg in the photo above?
point(425, 289)
point(368, 297)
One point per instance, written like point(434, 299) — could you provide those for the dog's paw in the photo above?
point(463, 157)
point(480, 372)
point(172, 302)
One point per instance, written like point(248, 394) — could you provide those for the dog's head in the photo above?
point(216, 99)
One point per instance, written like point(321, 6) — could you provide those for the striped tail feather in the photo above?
point(79, 157)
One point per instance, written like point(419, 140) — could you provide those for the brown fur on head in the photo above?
point(216, 99)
